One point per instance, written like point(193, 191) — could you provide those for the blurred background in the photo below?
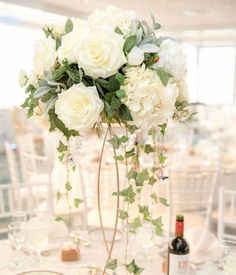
point(204, 151)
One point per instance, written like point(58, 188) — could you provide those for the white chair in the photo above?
point(191, 191)
point(12, 163)
point(227, 214)
point(13, 198)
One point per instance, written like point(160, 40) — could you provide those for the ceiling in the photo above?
point(175, 15)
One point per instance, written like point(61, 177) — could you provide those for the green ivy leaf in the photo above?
point(135, 224)
point(154, 197)
point(120, 78)
point(163, 201)
point(143, 209)
point(128, 194)
point(132, 129)
point(68, 186)
point(164, 76)
point(163, 129)
point(68, 26)
point(152, 180)
point(118, 30)
point(62, 147)
point(162, 158)
point(129, 43)
point(123, 214)
point(77, 202)
point(123, 139)
point(120, 158)
point(132, 174)
point(130, 153)
point(58, 196)
point(112, 265)
point(141, 177)
point(114, 141)
point(133, 268)
point(158, 225)
point(148, 149)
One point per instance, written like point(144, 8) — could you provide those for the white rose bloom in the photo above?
point(101, 53)
point(69, 44)
point(172, 58)
point(44, 55)
point(33, 80)
point(183, 90)
point(22, 78)
point(113, 17)
point(149, 101)
point(79, 107)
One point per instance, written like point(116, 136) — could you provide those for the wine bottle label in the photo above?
point(178, 264)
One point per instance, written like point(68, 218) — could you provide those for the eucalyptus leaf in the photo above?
point(43, 90)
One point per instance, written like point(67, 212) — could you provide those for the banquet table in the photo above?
point(94, 255)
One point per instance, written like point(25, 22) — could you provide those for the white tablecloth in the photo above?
point(93, 255)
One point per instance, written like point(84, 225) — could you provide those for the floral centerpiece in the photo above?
point(111, 69)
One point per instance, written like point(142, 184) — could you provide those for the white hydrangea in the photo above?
point(149, 101)
point(172, 59)
point(113, 17)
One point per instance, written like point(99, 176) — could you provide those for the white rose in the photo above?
point(33, 80)
point(101, 53)
point(113, 17)
point(79, 107)
point(172, 58)
point(44, 55)
point(22, 78)
point(69, 44)
point(149, 102)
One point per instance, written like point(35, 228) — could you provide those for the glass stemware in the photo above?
point(38, 238)
point(227, 256)
point(17, 237)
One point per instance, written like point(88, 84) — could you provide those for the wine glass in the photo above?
point(17, 237)
point(38, 238)
point(227, 256)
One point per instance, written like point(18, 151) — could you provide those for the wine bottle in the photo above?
point(178, 251)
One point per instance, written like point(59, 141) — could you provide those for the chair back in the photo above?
point(227, 214)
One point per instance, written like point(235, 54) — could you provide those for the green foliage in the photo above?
point(135, 224)
point(130, 42)
point(123, 215)
point(41, 91)
point(162, 158)
point(133, 268)
point(154, 197)
point(164, 76)
point(130, 153)
point(77, 202)
point(68, 26)
point(58, 196)
point(120, 94)
point(158, 226)
point(120, 158)
point(112, 265)
point(124, 113)
point(142, 177)
point(68, 186)
point(116, 141)
point(58, 43)
point(128, 194)
point(163, 129)
point(152, 180)
point(144, 210)
point(118, 30)
point(163, 201)
point(62, 147)
point(120, 78)
point(132, 174)
point(148, 149)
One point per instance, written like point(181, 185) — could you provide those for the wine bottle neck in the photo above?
point(179, 229)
